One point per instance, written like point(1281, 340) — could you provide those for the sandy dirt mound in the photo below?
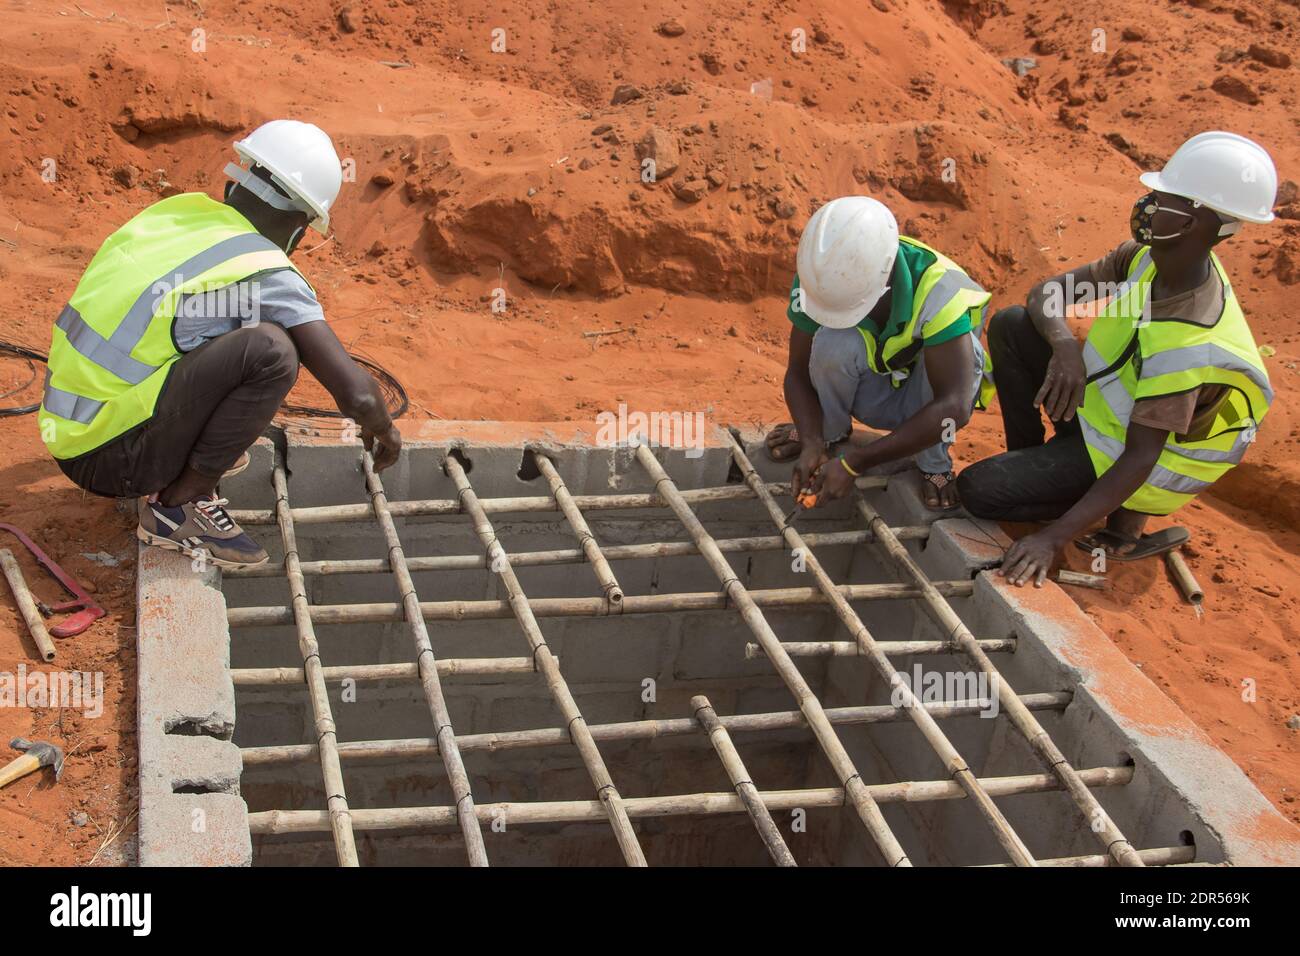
point(521, 168)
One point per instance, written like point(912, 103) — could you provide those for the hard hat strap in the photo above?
point(263, 190)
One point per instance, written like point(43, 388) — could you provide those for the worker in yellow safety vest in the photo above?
point(886, 331)
point(1165, 395)
point(183, 337)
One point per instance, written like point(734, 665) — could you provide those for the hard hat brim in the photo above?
point(830, 318)
point(1153, 180)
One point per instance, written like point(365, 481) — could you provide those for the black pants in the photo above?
point(1033, 480)
point(217, 400)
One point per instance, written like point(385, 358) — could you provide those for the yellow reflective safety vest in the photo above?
point(1130, 356)
point(112, 345)
point(922, 308)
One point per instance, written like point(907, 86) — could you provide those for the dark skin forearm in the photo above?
point(354, 392)
point(1142, 447)
point(800, 396)
point(1047, 300)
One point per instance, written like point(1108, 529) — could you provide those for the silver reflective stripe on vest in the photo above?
point(76, 408)
point(1110, 447)
point(99, 350)
point(131, 329)
point(1166, 480)
point(1205, 355)
point(940, 294)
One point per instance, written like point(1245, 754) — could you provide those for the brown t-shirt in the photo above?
point(1189, 413)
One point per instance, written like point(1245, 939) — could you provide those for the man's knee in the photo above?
point(836, 353)
point(976, 487)
point(270, 351)
point(1006, 326)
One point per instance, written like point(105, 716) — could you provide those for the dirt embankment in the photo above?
point(516, 159)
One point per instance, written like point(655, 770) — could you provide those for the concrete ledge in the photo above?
point(190, 809)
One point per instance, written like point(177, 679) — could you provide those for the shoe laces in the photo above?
point(215, 510)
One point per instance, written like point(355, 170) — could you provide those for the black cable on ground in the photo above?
point(31, 355)
point(395, 398)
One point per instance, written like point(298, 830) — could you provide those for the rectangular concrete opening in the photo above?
point(692, 745)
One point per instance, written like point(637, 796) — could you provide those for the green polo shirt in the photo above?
point(909, 265)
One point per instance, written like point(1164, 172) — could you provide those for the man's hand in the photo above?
point(1031, 557)
point(833, 481)
point(1066, 379)
point(384, 445)
point(811, 458)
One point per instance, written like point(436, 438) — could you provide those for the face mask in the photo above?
point(1144, 211)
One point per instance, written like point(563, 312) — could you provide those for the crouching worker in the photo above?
point(1168, 389)
point(884, 330)
point(185, 334)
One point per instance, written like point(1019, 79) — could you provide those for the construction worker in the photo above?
point(1167, 391)
point(183, 337)
point(884, 330)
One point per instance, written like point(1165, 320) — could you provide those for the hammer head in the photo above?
point(50, 755)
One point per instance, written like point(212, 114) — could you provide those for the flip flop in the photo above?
point(786, 442)
point(940, 480)
point(1147, 546)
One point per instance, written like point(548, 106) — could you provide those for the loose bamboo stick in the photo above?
point(585, 607)
point(1099, 822)
point(26, 604)
point(450, 506)
point(631, 730)
point(549, 668)
point(745, 788)
point(621, 552)
point(1184, 578)
point(459, 667)
point(891, 648)
point(427, 664)
point(692, 804)
point(1079, 579)
point(586, 540)
point(848, 775)
point(948, 755)
point(340, 819)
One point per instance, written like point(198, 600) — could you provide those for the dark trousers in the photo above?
point(217, 400)
point(1033, 480)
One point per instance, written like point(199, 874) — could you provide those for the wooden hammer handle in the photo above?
point(18, 767)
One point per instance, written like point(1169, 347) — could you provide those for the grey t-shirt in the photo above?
point(282, 297)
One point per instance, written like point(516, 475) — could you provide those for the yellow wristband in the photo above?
point(848, 469)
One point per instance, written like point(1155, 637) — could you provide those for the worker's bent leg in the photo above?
point(838, 369)
point(879, 405)
point(1030, 484)
point(218, 399)
point(1020, 356)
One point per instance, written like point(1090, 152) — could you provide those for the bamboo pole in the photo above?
point(427, 664)
point(340, 819)
point(450, 506)
point(740, 779)
point(621, 552)
point(549, 668)
point(692, 804)
point(631, 730)
point(1158, 856)
point(1184, 578)
point(948, 754)
point(1079, 579)
point(459, 667)
point(1099, 822)
point(584, 607)
point(13, 573)
point(854, 788)
point(586, 540)
point(891, 648)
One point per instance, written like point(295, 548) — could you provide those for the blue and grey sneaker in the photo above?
point(201, 529)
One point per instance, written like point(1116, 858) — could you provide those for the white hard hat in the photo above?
point(301, 160)
point(1230, 174)
point(846, 257)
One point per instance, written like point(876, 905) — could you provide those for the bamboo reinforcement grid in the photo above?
point(612, 807)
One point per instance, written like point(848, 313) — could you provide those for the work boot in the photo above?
point(200, 529)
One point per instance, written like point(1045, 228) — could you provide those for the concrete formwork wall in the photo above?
point(607, 661)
